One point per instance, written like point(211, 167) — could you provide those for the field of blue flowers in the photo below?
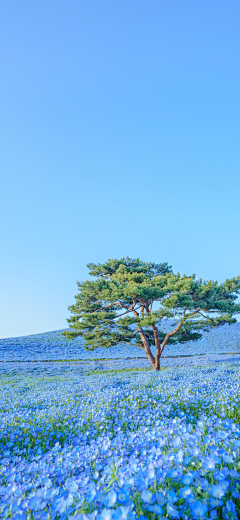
point(54, 346)
point(122, 442)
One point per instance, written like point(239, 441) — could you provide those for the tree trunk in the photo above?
point(158, 347)
point(145, 341)
point(157, 360)
point(146, 347)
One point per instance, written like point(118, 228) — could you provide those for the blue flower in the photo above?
point(24, 504)
point(60, 504)
point(231, 506)
point(148, 497)
point(227, 458)
point(214, 502)
point(187, 479)
point(122, 496)
point(198, 509)
point(195, 452)
point(106, 514)
point(217, 491)
point(234, 474)
point(177, 441)
point(209, 463)
point(172, 497)
point(160, 496)
point(229, 511)
point(110, 498)
point(72, 486)
point(172, 511)
point(173, 474)
point(36, 503)
point(235, 494)
point(219, 475)
point(204, 484)
point(158, 510)
point(185, 492)
point(141, 483)
point(121, 513)
point(179, 456)
point(129, 482)
point(47, 482)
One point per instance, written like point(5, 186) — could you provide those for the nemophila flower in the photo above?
point(151, 474)
point(195, 452)
point(106, 514)
point(161, 498)
point(36, 503)
point(110, 498)
point(59, 504)
point(227, 458)
point(198, 509)
point(20, 516)
point(24, 504)
point(187, 479)
point(204, 485)
point(220, 475)
point(185, 492)
point(172, 511)
point(72, 486)
point(208, 464)
point(148, 497)
point(171, 496)
point(219, 490)
point(173, 474)
point(141, 483)
point(121, 513)
point(122, 496)
point(229, 511)
point(235, 494)
point(179, 456)
point(47, 483)
point(214, 502)
point(129, 482)
point(177, 441)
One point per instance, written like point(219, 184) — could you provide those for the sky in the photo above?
point(120, 130)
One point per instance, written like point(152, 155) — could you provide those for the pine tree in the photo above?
point(130, 301)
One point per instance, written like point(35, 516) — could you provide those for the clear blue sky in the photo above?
point(120, 136)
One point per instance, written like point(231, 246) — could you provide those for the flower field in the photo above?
point(53, 346)
point(119, 441)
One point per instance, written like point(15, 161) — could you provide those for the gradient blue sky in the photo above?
point(120, 136)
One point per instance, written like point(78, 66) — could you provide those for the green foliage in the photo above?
point(117, 306)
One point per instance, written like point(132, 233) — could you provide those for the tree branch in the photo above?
point(169, 334)
point(126, 312)
point(131, 309)
point(206, 317)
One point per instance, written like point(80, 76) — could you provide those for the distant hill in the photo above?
point(53, 346)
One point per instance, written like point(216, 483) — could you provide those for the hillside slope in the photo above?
point(53, 346)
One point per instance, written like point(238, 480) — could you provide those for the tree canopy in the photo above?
point(131, 301)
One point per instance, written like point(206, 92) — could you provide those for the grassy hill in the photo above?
point(53, 346)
